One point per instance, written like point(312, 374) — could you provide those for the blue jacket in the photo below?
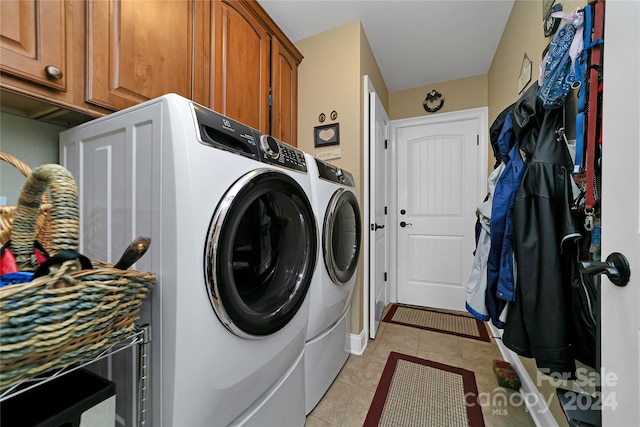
point(500, 264)
point(511, 182)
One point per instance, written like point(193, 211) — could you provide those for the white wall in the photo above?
point(31, 141)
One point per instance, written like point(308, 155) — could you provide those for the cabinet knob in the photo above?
point(53, 72)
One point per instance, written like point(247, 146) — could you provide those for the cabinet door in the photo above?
point(138, 50)
point(241, 71)
point(284, 94)
point(32, 41)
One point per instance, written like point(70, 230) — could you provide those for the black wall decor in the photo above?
point(433, 102)
point(551, 24)
point(326, 135)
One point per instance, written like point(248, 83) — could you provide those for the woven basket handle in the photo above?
point(64, 213)
point(23, 168)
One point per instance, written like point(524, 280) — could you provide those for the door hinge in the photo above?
point(386, 142)
point(478, 140)
point(385, 210)
point(385, 276)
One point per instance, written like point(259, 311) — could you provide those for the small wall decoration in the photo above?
point(546, 6)
point(550, 23)
point(433, 102)
point(321, 117)
point(334, 115)
point(525, 73)
point(326, 135)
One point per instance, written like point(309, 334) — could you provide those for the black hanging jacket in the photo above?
point(539, 320)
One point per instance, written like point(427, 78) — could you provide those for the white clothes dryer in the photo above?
point(234, 246)
point(338, 214)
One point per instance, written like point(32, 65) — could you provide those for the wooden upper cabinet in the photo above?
point(283, 89)
point(33, 41)
point(138, 50)
point(241, 47)
point(284, 94)
point(98, 56)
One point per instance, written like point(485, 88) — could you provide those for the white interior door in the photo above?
point(620, 319)
point(440, 168)
point(378, 218)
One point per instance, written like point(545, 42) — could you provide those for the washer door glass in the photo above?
point(341, 243)
point(261, 253)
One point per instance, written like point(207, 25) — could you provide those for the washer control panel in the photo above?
point(270, 146)
point(219, 131)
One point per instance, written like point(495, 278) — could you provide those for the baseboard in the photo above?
point(536, 404)
point(358, 343)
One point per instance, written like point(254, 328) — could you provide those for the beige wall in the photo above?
point(460, 94)
point(328, 80)
point(331, 78)
point(369, 67)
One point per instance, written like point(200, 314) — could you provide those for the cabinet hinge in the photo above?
point(270, 98)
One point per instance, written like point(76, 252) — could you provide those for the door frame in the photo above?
point(619, 318)
point(368, 142)
point(368, 88)
point(481, 115)
point(377, 115)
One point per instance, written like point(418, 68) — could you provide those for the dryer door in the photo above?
point(260, 254)
point(341, 236)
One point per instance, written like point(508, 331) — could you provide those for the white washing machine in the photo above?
point(234, 245)
point(337, 211)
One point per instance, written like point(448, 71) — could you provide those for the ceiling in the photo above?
point(415, 43)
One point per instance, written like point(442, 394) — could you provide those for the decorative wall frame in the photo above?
point(525, 73)
point(326, 135)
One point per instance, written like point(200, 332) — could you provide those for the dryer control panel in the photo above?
point(334, 174)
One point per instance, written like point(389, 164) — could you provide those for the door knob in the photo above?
point(405, 224)
point(616, 267)
point(375, 227)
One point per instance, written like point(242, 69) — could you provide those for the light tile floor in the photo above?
point(347, 401)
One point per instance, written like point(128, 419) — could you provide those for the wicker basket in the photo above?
point(43, 224)
point(70, 315)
